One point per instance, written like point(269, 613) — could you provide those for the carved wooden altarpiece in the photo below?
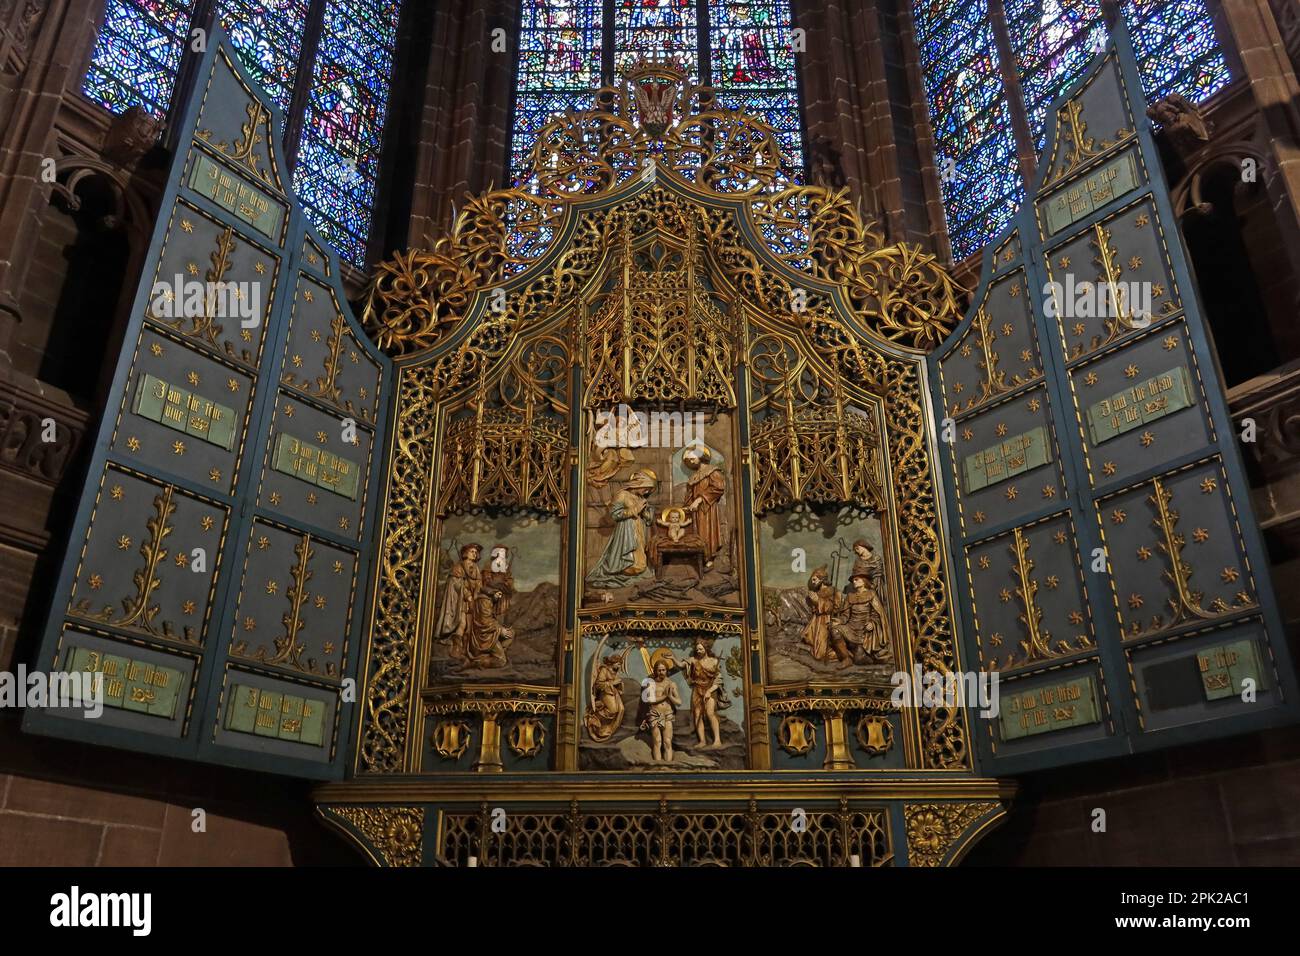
point(653, 405)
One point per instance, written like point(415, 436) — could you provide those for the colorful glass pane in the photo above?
point(268, 36)
point(753, 67)
point(972, 125)
point(945, 18)
point(1055, 40)
point(138, 54)
point(982, 189)
point(559, 68)
point(338, 159)
point(1178, 49)
point(659, 28)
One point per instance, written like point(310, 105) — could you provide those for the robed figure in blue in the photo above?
point(624, 559)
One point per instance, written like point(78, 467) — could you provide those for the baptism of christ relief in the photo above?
point(663, 702)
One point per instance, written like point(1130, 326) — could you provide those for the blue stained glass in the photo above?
point(138, 54)
point(659, 28)
point(969, 86)
point(268, 36)
point(974, 144)
point(559, 68)
point(753, 67)
point(338, 159)
point(1055, 40)
point(984, 188)
point(1178, 49)
point(139, 50)
point(935, 17)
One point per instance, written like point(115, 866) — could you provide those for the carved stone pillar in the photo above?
point(1287, 14)
point(43, 44)
point(464, 121)
point(1272, 78)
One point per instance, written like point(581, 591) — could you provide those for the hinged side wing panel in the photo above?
point(1114, 576)
point(214, 584)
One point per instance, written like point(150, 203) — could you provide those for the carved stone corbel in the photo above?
point(1182, 123)
point(129, 136)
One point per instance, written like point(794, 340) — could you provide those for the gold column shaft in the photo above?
point(489, 753)
point(837, 744)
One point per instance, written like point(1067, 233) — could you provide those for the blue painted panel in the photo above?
point(217, 574)
point(1098, 510)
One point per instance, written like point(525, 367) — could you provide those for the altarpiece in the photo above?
point(611, 529)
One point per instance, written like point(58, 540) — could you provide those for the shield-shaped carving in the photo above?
point(797, 735)
point(527, 737)
point(451, 738)
point(875, 735)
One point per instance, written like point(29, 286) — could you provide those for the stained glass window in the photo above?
point(656, 28)
point(751, 60)
point(1053, 42)
point(343, 79)
point(138, 54)
point(753, 67)
point(268, 36)
point(338, 160)
point(972, 124)
point(559, 66)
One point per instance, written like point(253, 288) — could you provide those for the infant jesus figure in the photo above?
point(675, 520)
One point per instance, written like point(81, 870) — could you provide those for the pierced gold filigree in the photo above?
point(935, 830)
point(394, 835)
point(898, 292)
point(421, 299)
point(688, 835)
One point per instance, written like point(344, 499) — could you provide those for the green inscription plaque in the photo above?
point(1139, 405)
point(316, 466)
point(1006, 460)
point(236, 195)
point(1082, 198)
point(1223, 669)
point(184, 411)
point(1070, 703)
point(130, 684)
point(267, 713)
